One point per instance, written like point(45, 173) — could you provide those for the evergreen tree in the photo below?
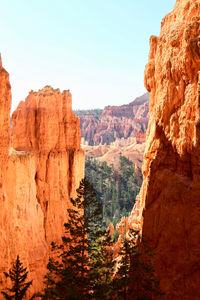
point(74, 275)
point(143, 284)
point(116, 188)
point(135, 278)
point(18, 275)
point(122, 279)
point(102, 268)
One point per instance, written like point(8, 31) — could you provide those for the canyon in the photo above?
point(42, 161)
point(42, 164)
point(167, 208)
point(115, 122)
point(116, 130)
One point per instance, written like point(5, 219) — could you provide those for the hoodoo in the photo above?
point(168, 207)
point(115, 122)
point(39, 173)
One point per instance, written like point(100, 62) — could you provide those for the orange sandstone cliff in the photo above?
point(168, 207)
point(5, 105)
point(45, 125)
point(38, 174)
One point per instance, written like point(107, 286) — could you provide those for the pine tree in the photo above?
point(102, 268)
point(122, 280)
point(143, 284)
point(135, 278)
point(69, 276)
point(18, 275)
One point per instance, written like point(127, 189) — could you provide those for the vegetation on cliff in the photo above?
point(90, 112)
point(135, 277)
point(84, 265)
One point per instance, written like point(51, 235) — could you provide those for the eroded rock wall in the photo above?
point(168, 207)
point(41, 171)
point(5, 105)
point(23, 226)
point(115, 122)
point(45, 125)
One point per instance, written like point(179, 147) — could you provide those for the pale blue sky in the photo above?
point(96, 48)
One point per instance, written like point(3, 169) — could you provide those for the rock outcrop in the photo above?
point(115, 122)
point(5, 105)
point(140, 137)
point(168, 206)
point(40, 173)
point(111, 153)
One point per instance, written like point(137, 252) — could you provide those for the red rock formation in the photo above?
point(5, 104)
point(111, 229)
point(23, 225)
point(168, 203)
point(44, 168)
point(140, 137)
point(45, 124)
point(115, 122)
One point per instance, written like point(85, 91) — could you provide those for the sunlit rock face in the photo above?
point(45, 122)
point(168, 206)
point(115, 122)
point(5, 105)
point(45, 125)
point(39, 173)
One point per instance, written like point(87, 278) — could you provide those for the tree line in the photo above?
point(85, 266)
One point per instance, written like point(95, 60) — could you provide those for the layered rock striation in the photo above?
point(41, 172)
point(115, 122)
point(168, 206)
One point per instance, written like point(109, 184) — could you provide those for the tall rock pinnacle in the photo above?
point(39, 174)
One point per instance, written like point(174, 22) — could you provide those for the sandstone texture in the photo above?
point(5, 105)
point(42, 165)
point(115, 122)
point(168, 206)
point(46, 125)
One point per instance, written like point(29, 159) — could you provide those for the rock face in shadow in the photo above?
point(168, 206)
point(39, 173)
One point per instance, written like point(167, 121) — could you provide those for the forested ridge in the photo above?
point(116, 188)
